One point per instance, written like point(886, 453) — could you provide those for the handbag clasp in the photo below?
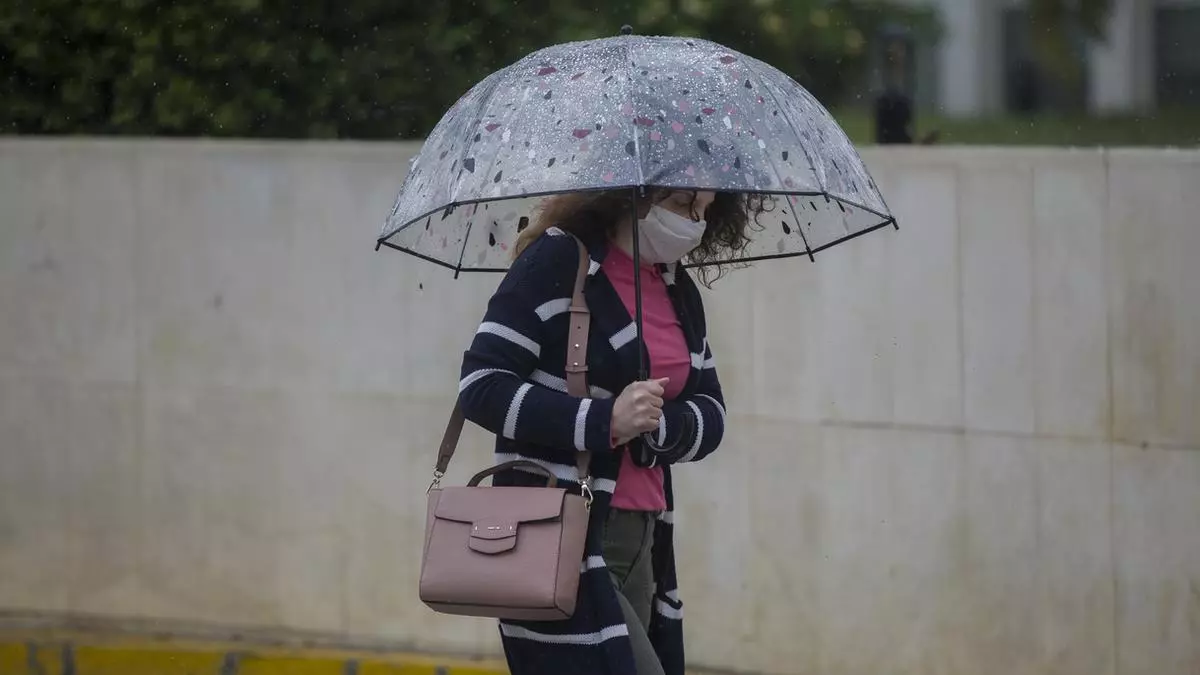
point(586, 491)
point(437, 482)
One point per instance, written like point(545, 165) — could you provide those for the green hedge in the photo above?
point(357, 68)
point(1165, 128)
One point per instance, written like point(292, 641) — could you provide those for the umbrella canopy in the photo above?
point(631, 112)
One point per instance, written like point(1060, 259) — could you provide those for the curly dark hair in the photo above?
point(590, 214)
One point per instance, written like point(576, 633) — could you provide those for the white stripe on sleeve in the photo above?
point(560, 385)
point(514, 411)
point(581, 424)
point(551, 309)
point(500, 330)
point(548, 381)
point(477, 375)
point(720, 408)
point(667, 611)
point(604, 485)
point(691, 453)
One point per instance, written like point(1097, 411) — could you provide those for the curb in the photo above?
point(90, 656)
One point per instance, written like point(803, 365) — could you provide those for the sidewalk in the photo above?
point(86, 654)
point(42, 647)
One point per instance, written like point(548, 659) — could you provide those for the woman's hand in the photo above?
point(637, 410)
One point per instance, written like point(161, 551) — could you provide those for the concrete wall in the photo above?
point(971, 446)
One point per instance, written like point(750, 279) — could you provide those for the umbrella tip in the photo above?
point(626, 30)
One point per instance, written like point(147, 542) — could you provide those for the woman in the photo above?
point(628, 612)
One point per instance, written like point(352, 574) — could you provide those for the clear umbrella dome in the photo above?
point(627, 112)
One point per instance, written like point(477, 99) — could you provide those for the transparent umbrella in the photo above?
point(638, 113)
point(631, 112)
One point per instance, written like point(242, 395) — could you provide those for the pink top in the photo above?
point(638, 488)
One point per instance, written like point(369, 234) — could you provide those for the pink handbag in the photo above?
point(510, 552)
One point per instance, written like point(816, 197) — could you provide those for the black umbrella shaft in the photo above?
point(637, 283)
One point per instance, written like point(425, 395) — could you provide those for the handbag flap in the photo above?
point(500, 504)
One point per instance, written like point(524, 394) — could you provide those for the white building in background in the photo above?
point(1151, 58)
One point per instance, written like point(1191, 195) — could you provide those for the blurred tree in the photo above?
point(357, 68)
point(1057, 24)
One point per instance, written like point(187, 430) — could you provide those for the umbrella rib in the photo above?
point(487, 102)
point(386, 241)
point(607, 188)
point(776, 256)
point(495, 155)
point(463, 252)
point(799, 227)
point(422, 256)
point(820, 178)
point(487, 200)
point(857, 205)
point(778, 177)
point(499, 147)
point(494, 80)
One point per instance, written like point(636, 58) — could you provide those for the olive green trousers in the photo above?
point(628, 539)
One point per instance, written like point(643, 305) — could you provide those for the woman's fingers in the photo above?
point(648, 426)
point(647, 399)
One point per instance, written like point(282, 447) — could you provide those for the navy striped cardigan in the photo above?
point(513, 384)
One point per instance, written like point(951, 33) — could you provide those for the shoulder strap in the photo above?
point(576, 370)
point(577, 347)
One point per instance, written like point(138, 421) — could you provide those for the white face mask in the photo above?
point(665, 236)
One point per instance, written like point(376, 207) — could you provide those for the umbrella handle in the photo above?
point(637, 281)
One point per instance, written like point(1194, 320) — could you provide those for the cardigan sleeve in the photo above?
point(494, 391)
point(691, 428)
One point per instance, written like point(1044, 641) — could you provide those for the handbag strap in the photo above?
point(576, 373)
